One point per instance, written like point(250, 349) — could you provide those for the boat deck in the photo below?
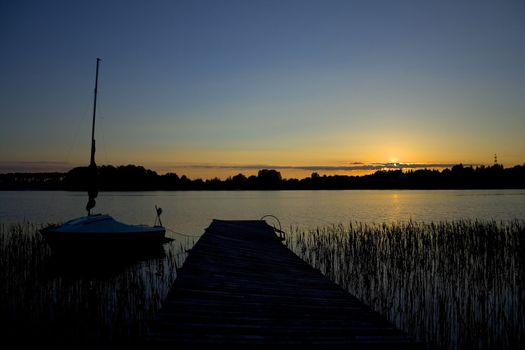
point(240, 287)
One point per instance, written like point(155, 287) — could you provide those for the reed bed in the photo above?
point(453, 285)
point(45, 301)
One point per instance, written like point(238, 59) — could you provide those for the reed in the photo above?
point(453, 285)
point(47, 301)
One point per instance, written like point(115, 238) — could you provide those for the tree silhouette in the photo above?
point(269, 179)
point(132, 177)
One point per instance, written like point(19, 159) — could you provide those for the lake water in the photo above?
point(191, 212)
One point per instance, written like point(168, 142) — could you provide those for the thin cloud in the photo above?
point(33, 166)
point(50, 166)
point(355, 166)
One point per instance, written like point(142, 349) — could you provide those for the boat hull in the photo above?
point(136, 238)
point(102, 232)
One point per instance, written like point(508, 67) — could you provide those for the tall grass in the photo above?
point(454, 285)
point(45, 300)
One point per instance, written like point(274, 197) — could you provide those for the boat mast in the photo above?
point(92, 162)
point(92, 169)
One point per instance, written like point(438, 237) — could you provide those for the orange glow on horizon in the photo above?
point(209, 171)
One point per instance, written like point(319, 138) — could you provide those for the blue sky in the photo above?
point(211, 88)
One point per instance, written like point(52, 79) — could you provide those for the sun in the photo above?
point(393, 160)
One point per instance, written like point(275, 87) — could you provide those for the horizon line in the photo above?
point(51, 166)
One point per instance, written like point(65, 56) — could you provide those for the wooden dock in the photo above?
point(240, 287)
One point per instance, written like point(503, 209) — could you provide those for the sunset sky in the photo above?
point(214, 88)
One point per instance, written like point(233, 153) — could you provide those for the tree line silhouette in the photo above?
point(137, 178)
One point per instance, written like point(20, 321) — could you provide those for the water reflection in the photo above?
point(98, 262)
point(394, 208)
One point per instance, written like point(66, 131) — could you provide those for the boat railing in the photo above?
point(279, 231)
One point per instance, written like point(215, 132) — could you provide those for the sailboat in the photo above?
point(102, 231)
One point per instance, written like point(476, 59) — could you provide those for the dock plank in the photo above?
point(240, 287)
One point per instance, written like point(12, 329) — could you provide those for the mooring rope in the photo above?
point(182, 234)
